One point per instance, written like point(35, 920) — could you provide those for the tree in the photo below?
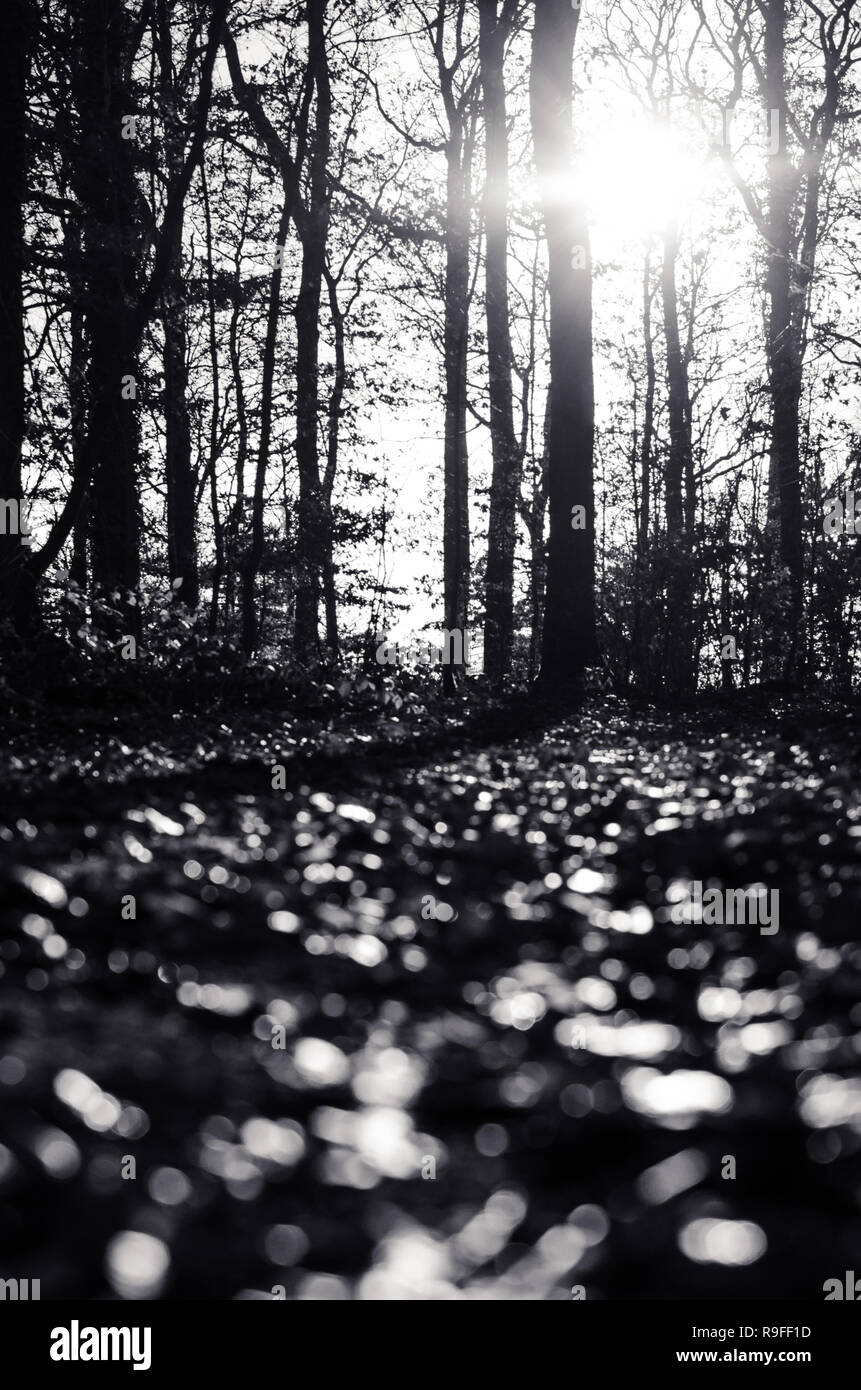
point(119, 299)
point(289, 165)
point(15, 43)
point(179, 473)
point(103, 179)
point(789, 225)
point(568, 645)
point(458, 101)
point(680, 500)
point(494, 32)
point(314, 534)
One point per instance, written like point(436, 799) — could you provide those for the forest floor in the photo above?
point(418, 1024)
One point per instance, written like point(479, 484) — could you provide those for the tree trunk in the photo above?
point(677, 388)
point(251, 565)
point(648, 413)
point(639, 660)
point(103, 179)
point(569, 622)
point(217, 524)
point(290, 170)
point(784, 357)
point(237, 511)
point(726, 623)
point(455, 344)
point(505, 481)
point(179, 473)
point(538, 551)
point(312, 518)
point(679, 665)
point(336, 400)
point(79, 568)
point(18, 598)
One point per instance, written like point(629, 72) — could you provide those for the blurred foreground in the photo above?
point(499, 1070)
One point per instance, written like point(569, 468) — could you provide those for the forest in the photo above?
point(329, 326)
point(430, 639)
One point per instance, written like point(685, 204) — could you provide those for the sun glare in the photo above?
point(639, 175)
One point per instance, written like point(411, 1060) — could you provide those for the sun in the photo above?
point(639, 175)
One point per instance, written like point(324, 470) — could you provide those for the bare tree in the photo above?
point(789, 225)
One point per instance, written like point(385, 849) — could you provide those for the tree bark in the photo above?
point(179, 472)
point(641, 595)
point(568, 645)
point(254, 554)
point(79, 567)
point(103, 178)
point(312, 518)
point(679, 665)
point(538, 550)
point(217, 524)
point(494, 31)
point(647, 442)
point(783, 350)
point(233, 525)
point(336, 400)
point(18, 598)
point(455, 343)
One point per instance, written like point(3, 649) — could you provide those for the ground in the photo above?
point(393, 1022)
